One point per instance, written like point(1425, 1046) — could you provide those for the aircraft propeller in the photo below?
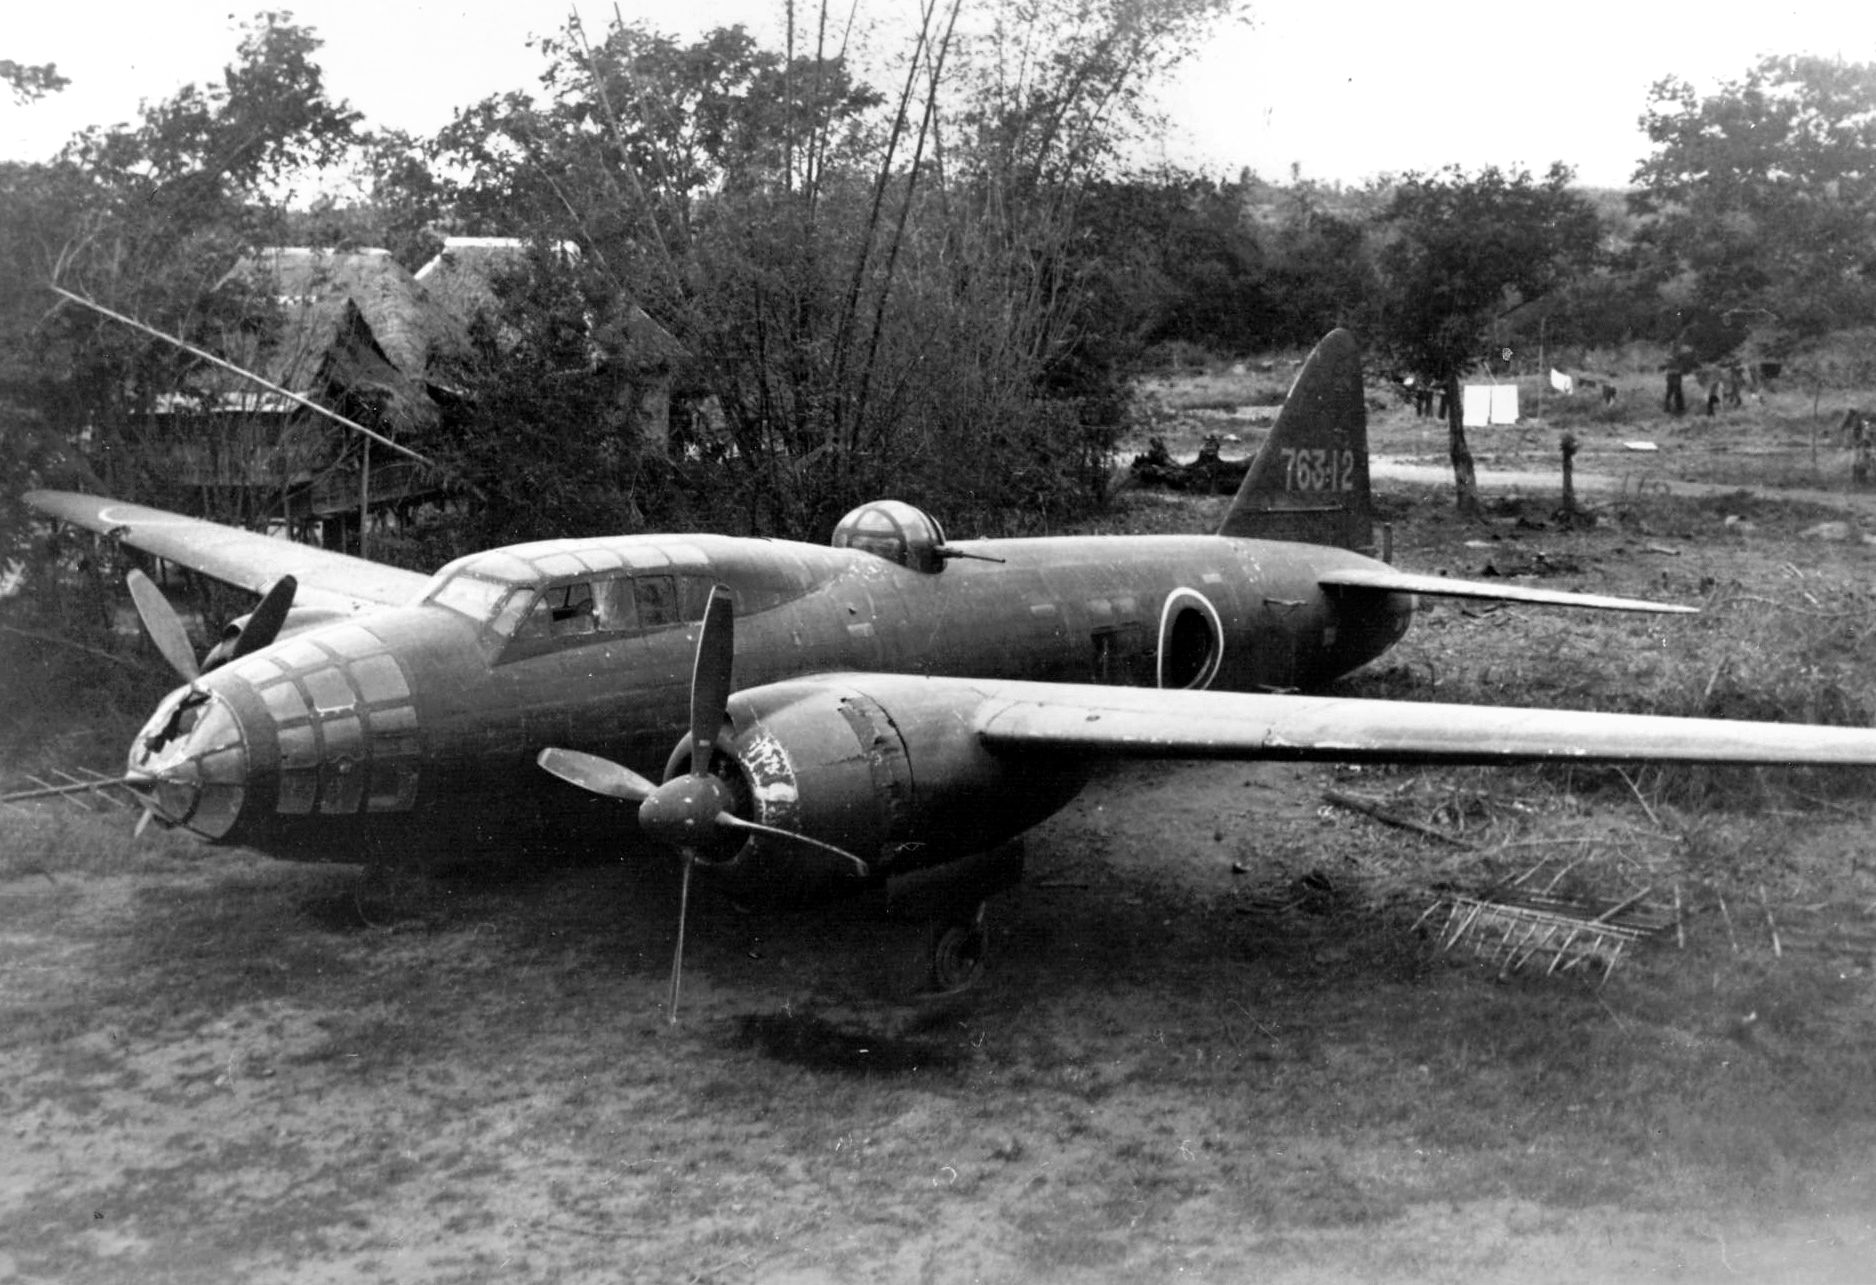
point(165, 627)
point(690, 810)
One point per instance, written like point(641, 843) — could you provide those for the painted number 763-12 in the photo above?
point(1318, 469)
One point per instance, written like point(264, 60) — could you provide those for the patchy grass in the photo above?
point(214, 1066)
point(52, 839)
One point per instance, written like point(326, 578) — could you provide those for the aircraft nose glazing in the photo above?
point(189, 763)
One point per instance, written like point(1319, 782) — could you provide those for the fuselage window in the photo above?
point(617, 605)
point(561, 611)
point(657, 601)
point(693, 593)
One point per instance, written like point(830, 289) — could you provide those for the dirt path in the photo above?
point(223, 1068)
point(1643, 480)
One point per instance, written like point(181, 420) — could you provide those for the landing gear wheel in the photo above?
point(958, 948)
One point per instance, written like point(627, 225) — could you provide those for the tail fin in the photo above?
point(1309, 482)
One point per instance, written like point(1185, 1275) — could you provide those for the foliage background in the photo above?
point(936, 279)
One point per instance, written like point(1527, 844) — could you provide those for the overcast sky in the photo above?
point(1345, 91)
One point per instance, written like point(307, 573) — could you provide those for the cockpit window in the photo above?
point(561, 611)
point(512, 610)
point(470, 596)
point(602, 607)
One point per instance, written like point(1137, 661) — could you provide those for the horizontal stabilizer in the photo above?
point(1380, 580)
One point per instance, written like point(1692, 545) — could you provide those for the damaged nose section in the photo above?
point(189, 764)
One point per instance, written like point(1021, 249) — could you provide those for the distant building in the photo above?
point(637, 353)
point(349, 330)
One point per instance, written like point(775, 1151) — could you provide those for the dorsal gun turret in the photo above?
point(896, 531)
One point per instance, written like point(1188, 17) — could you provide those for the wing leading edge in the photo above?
point(1147, 723)
point(330, 582)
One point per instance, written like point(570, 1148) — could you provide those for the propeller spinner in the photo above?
point(689, 811)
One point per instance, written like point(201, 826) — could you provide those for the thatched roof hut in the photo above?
point(350, 330)
point(462, 278)
point(412, 327)
point(353, 324)
point(629, 347)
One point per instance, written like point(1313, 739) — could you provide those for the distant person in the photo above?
point(1675, 403)
point(1861, 431)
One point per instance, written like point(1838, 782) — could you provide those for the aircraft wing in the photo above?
point(1391, 581)
point(330, 582)
point(1133, 722)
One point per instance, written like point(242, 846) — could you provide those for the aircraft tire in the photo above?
point(958, 948)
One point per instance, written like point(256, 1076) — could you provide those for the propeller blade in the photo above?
point(733, 822)
point(164, 626)
point(143, 822)
point(710, 678)
point(601, 776)
point(677, 957)
point(264, 623)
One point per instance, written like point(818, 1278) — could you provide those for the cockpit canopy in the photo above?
point(896, 531)
point(535, 598)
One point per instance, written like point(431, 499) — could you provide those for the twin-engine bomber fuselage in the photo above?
point(889, 705)
point(436, 710)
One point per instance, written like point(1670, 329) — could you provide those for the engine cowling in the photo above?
point(883, 766)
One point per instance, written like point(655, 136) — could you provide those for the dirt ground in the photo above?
point(1215, 1042)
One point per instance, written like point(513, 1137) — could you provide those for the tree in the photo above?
point(1322, 266)
point(28, 84)
point(878, 288)
point(1458, 251)
point(146, 218)
point(1765, 192)
point(1172, 259)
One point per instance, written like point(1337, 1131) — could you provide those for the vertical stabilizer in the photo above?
point(1309, 482)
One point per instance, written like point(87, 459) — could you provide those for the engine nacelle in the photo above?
point(881, 766)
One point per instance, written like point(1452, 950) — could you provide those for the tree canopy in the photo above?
point(1458, 252)
point(1764, 192)
point(931, 276)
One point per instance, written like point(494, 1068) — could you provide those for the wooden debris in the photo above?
point(1370, 807)
point(1513, 928)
